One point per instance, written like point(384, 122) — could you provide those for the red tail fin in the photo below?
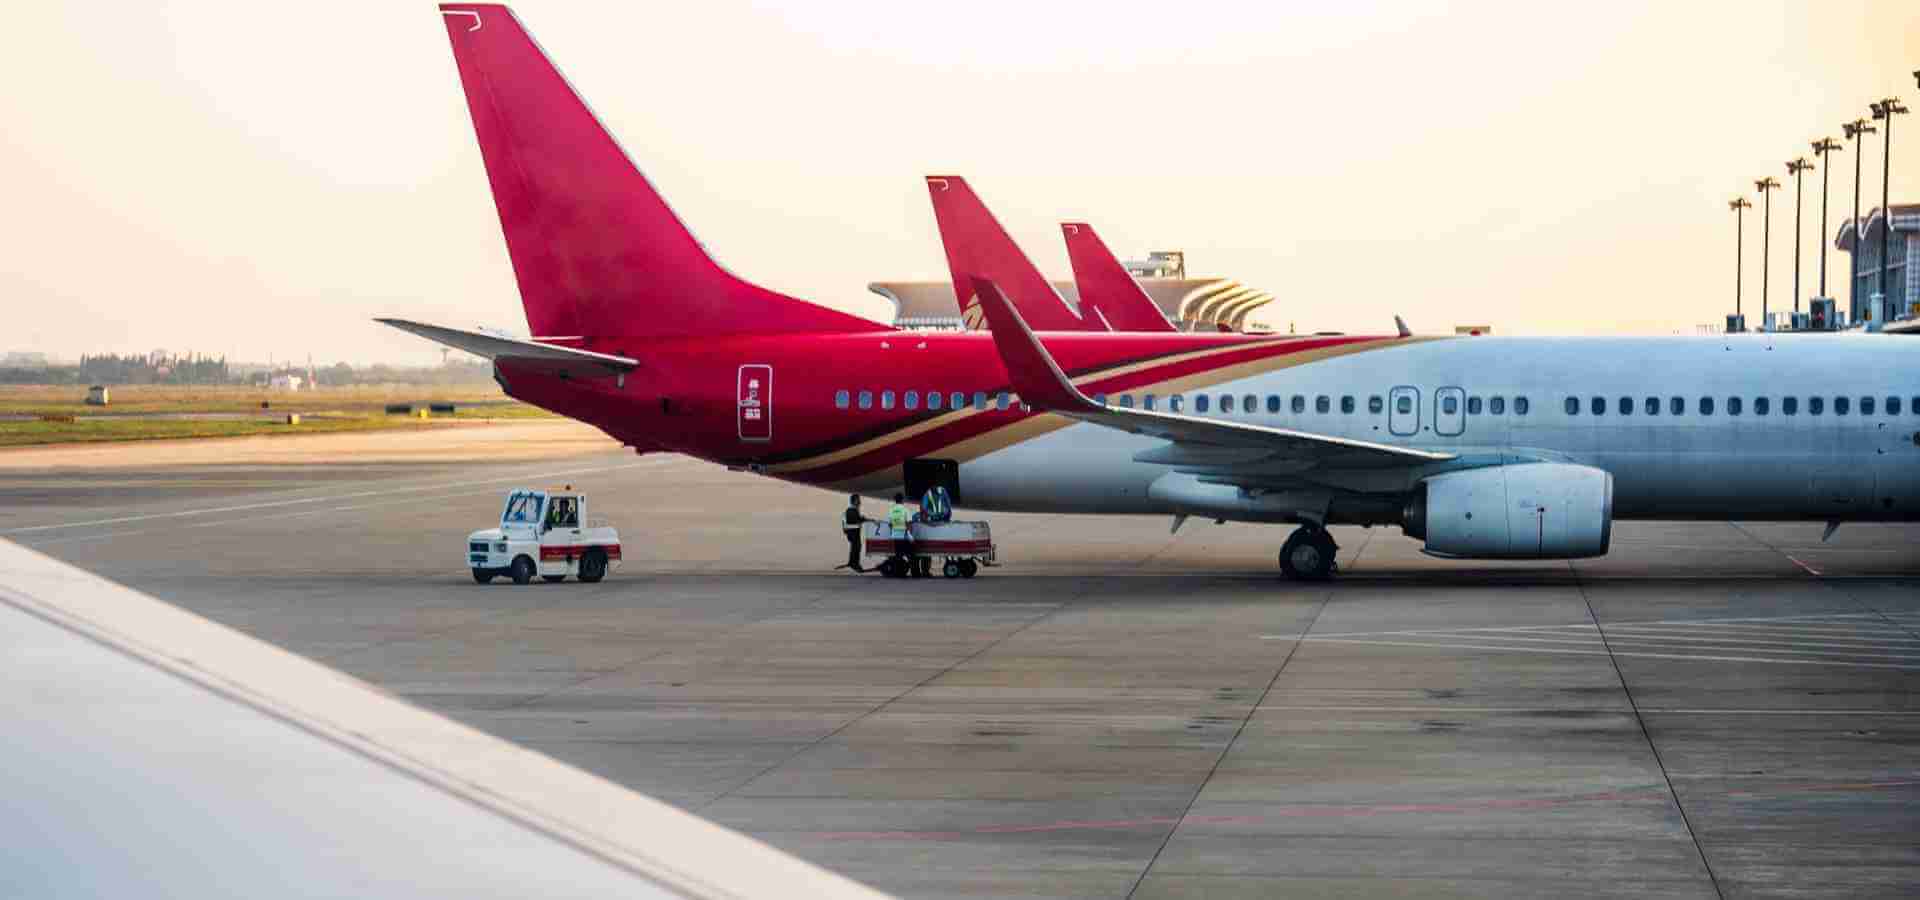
point(1106, 288)
point(595, 249)
point(977, 247)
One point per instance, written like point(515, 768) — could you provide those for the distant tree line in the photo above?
point(113, 369)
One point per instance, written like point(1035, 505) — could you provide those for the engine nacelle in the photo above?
point(1525, 511)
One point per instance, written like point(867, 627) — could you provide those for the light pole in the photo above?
point(1885, 109)
point(1854, 130)
point(1765, 186)
point(1821, 148)
point(1794, 168)
point(1739, 205)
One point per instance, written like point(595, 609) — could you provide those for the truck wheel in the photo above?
point(969, 568)
point(951, 569)
point(482, 576)
point(521, 570)
point(553, 579)
point(593, 566)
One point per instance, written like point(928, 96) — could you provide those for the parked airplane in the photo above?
point(1106, 286)
point(1482, 447)
point(977, 245)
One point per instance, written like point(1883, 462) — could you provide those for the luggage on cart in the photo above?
point(961, 547)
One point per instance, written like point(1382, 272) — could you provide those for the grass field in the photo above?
point(152, 412)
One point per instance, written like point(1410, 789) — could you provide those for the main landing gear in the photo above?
point(1308, 554)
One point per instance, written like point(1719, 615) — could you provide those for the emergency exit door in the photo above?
point(1403, 411)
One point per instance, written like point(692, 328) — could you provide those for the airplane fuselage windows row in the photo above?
point(1449, 403)
point(1734, 406)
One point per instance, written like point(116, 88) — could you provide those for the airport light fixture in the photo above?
point(1886, 109)
point(1821, 148)
point(1854, 130)
point(1739, 205)
point(1765, 186)
point(1795, 167)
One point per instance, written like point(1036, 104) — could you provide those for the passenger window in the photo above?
point(1402, 404)
point(934, 399)
point(957, 401)
point(913, 400)
point(1760, 405)
point(1497, 406)
point(1653, 406)
point(842, 399)
point(1473, 406)
point(1322, 404)
point(1733, 406)
point(1520, 406)
point(886, 399)
point(1789, 406)
point(1147, 401)
point(1175, 401)
point(1816, 406)
point(1626, 406)
point(1913, 404)
point(1866, 406)
point(1299, 404)
point(1840, 406)
point(1200, 402)
point(979, 400)
point(1376, 404)
point(1346, 404)
point(1250, 404)
point(1573, 406)
point(1449, 404)
point(1598, 405)
point(1100, 399)
point(1706, 406)
point(1226, 403)
point(1893, 406)
point(1001, 402)
point(1126, 401)
point(866, 399)
point(1273, 403)
point(1676, 406)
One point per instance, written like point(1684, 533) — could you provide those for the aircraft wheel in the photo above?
point(482, 576)
point(1308, 554)
point(521, 570)
point(593, 566)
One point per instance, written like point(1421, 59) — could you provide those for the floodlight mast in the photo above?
point(1795, 167)
point(1886, 109)
point(1765, 186)
point(1739, 205)
point(1821, 148)
point(1854, 130)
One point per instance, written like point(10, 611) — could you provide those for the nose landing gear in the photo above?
point(1308, 554)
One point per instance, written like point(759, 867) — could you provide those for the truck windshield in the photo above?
point(522, 506)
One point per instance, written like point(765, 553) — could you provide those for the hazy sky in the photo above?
point(262, 179)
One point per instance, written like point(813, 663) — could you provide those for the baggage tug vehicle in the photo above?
point(544, 533)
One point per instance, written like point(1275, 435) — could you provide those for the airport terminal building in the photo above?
point(1903, 282)
point(1191, 304)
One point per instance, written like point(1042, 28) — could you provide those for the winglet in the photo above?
point(1031, 370)
point(1402, 325)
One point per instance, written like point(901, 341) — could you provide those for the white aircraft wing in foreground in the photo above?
point(148, 752)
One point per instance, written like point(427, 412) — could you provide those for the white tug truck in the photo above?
point(544, 533)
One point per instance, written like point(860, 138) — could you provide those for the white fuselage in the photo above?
point(1750, 452)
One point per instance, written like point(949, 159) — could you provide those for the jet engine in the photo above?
point(1522, 511)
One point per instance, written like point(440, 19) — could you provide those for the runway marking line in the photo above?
point(1511, 648)
point(1796, 561)
point(119, 520)
point(1825, 618)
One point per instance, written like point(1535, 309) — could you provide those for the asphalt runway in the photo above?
point(1713, 709)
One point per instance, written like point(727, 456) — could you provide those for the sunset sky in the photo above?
point(262, 179)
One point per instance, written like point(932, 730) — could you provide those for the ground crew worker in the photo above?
point(899, 518)
point(850, 524)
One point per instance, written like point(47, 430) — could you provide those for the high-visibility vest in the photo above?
point(898, 517)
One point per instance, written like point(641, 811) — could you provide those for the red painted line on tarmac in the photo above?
point(1342, 812)
point(1810, 570)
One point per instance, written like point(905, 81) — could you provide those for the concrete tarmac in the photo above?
point(1711, 710)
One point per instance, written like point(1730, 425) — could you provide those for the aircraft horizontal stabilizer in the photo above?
point(1042, 384)
point(533, 354)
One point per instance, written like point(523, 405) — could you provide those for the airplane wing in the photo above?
point(533, 354)
point(1197, 441)
point(150, 752)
